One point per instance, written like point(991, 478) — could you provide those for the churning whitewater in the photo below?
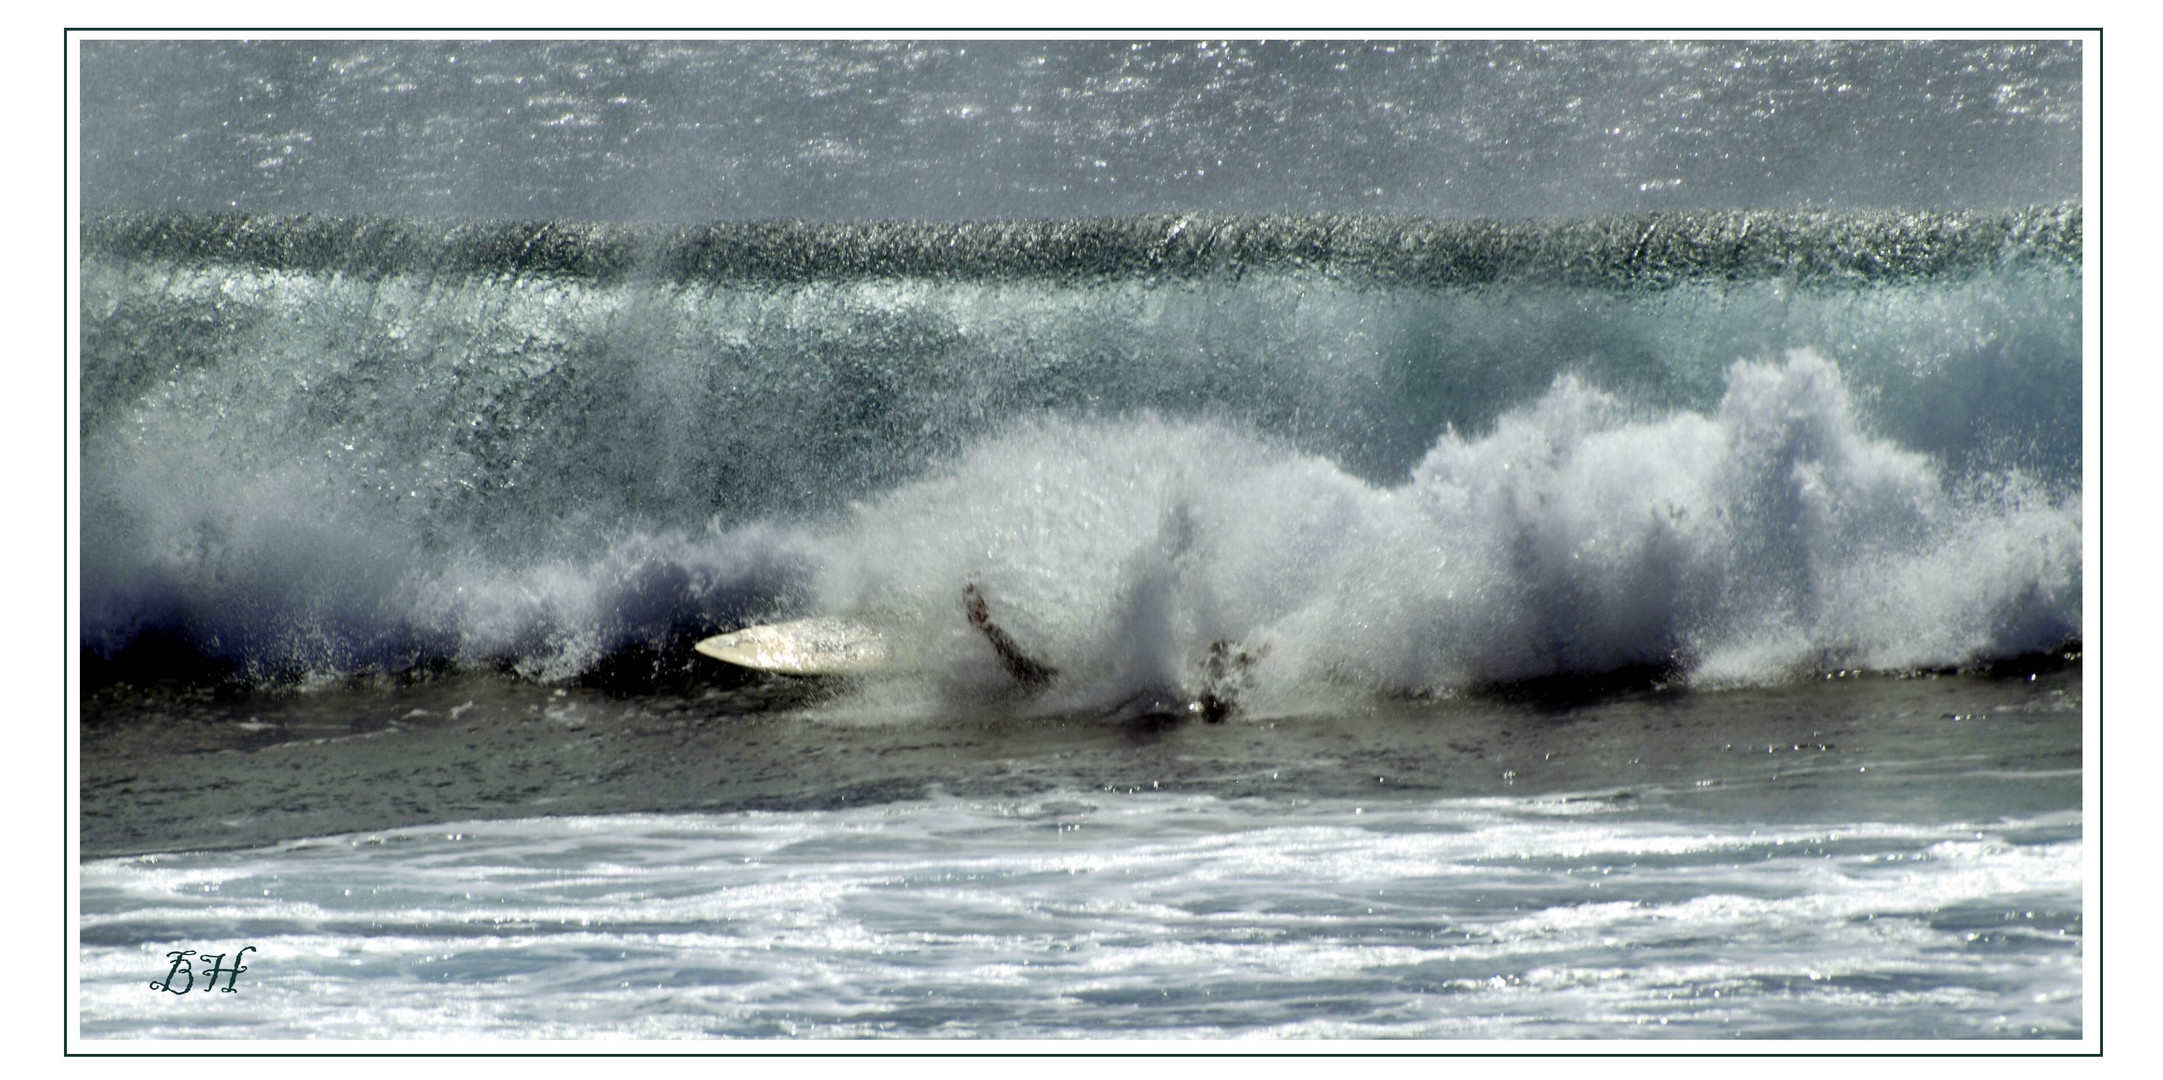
point(1122, 916)
point(1769, 537)
point(1732, 455)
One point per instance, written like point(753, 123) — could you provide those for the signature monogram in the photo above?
point(183, 966)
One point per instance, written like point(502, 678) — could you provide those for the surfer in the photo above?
point(1224, 672)
point(1018, 664)
point(844, 646)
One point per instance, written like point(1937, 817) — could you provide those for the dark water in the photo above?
point(175, 769)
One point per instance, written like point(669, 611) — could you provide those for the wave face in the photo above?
point(309, 465)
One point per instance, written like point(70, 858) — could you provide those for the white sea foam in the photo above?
point(1767, 534)
point(1770, 537)
point(1112, 915)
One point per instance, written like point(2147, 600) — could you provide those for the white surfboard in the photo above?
point(825, 646)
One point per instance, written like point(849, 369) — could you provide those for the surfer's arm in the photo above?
point(1017, 663)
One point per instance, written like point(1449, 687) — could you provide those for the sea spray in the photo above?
point(301, 472)
point(1766, 539)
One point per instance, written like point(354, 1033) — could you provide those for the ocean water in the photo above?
point(1118, 916)
point(1667, 610)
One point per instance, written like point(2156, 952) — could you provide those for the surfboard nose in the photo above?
point(722, 646)
point(804, 647)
